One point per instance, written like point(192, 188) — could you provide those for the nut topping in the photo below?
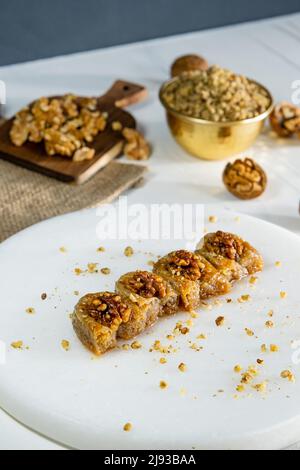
point(186, 264)
point(147, 285)
point(245, 179)
point(108, 309)
point(225, 244)
point(285, 119)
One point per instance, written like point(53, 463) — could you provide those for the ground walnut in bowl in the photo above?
point(217, 95)
point(215, 113)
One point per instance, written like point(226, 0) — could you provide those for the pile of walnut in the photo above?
point(285, 120)
point(67, 125)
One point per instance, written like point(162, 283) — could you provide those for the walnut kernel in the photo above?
point(245, 179)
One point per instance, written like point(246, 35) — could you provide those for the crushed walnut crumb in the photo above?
point(163, 385)
point(105, 271)
point(249, 332)
point(263, 348)
point(65, 344)
point(220, 321)
point(246, 378)
point(17, 345)
point(269, 324)
point(127, 427)
point(261, 387)
point(44, 296)
point(260, 362)
point(30, 311)
point(128, 251)
point(182, 367)
point(201, 336)
point(287, 374)
point(244, 298)
point(92, 268)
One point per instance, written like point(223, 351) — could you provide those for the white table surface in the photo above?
point(266, 50)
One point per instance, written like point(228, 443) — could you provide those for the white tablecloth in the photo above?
point(266, 50)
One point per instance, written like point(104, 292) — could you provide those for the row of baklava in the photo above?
point(179, 281)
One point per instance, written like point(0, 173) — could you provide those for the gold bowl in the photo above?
point(214, 140)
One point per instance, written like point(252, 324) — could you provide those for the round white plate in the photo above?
point(84, 401)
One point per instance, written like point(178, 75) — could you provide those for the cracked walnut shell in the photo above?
point(188, 63)
point(245, 179)
point(285, 119)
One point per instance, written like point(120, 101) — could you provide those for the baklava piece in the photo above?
point(149, 296)
point(182, 269)
point(243, 258)
point(97, 318)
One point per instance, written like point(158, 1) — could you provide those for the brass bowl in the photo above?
point(214, 140)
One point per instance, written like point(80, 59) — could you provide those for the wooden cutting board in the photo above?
point(108, 144)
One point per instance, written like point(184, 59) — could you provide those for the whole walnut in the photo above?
point(188, 63)
point(285, 119)
point(245, 179)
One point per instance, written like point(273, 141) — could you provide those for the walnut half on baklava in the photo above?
point(97, 318)
point(182, 269)
point(234, 249)
point(149, 296)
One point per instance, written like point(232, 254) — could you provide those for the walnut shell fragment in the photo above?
point(285, 119)
point(188, 63)
point(245, 179)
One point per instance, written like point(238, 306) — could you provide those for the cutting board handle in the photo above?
point(123, 93)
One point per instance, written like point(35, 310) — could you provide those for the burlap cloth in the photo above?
point(27, 197)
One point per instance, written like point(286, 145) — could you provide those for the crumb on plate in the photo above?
point(65, 344)
point(287, 374)
point(128, 251)
point(30, 310)
point(220, 321)
point(182, 367)
point(127, 427)
point(17, 344)
point(163, 385)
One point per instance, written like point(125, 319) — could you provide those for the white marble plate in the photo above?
point(84, 401)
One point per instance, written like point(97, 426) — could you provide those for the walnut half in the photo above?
point(136, 146)
point(245, 179)
point(285, 119)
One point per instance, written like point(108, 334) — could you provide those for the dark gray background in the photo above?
point(32, 29)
